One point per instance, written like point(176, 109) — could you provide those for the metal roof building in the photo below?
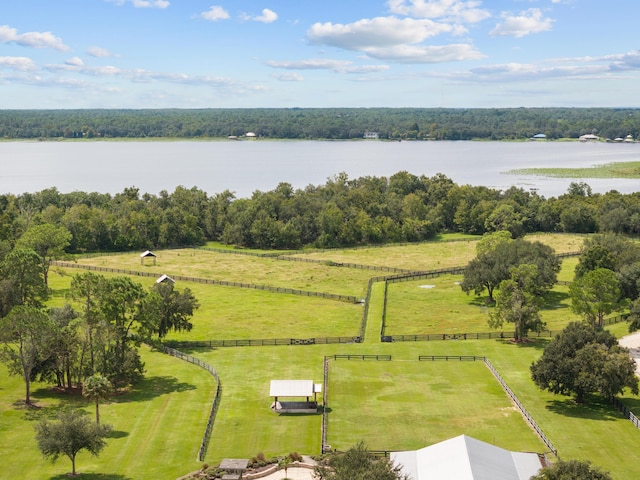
point(465, 458)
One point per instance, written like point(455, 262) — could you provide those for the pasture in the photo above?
point(146, 441)
point(438, 305)
point(400, 404)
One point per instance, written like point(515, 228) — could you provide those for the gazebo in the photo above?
point(233, 467)
point(297, 390)
point(147, 254)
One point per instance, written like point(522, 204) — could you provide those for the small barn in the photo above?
point(147, 254)
point(298, 393)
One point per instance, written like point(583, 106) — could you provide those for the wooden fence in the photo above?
point(209, 281)
point(520, 406)
point(626, 412)
point(216, 400)
point(264, 342)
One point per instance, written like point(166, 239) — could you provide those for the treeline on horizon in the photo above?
point(343, 212)
point(322, 123)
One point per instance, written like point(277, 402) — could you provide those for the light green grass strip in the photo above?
point(610, 170)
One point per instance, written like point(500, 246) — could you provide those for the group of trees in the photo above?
point(100, 335)
point(342, 212)
point(97, 332)
point(323, 123)
point(584, 358)
point(89, 344)
point(521, 272)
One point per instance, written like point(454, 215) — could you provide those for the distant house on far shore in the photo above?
point(589, 137)
point(250, 135)
point(539, 136)
point(371, 135)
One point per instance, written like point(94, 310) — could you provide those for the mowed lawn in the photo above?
point(400, 405)
point(245, 425)
point(157, 426)
point(229, 313)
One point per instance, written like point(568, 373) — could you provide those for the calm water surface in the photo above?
point(246, 166)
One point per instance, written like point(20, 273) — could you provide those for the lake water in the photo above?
point(246, 166)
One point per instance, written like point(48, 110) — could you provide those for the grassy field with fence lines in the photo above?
point(433, 255)
point(450, 310)
point(238, 313)
point(159, 424)
point(415, 404)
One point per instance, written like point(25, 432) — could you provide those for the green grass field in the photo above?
point(436, 399)
point(229, 313)
point(159, 424)
point(450, 310)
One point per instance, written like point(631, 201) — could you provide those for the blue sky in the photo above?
point(309, 53)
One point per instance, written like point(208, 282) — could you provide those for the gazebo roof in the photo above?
point(293, 388)
point(165, 277)
point(234, 464)
point(147, 253)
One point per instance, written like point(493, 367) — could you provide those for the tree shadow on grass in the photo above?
point(595, 409)
point(91, 476)
point(632, 404)
point(41, 411)
point(534, 343)
point(117, 434)
point(152, 387)
point(481, 301)
point(553, 300)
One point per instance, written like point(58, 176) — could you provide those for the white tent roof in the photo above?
point(292, 388)
point(465, 458)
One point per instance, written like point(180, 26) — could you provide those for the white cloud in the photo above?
point(618, 62)
point(376, 33)
point(338, 66)
point(215, 13)
point(22, 64)
point(455, 10)
point(100, 71)
point(289, 77)
point(99, 52)
point(143, 3)
point(268, 16)
point(146, 76)
point(31, 39)
point(425, 53)
point(516, 72)
point(75, 61)
point(527, 22)
point(393, 39)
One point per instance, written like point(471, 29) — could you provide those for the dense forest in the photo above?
point(323, 123)
point(342, 212)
